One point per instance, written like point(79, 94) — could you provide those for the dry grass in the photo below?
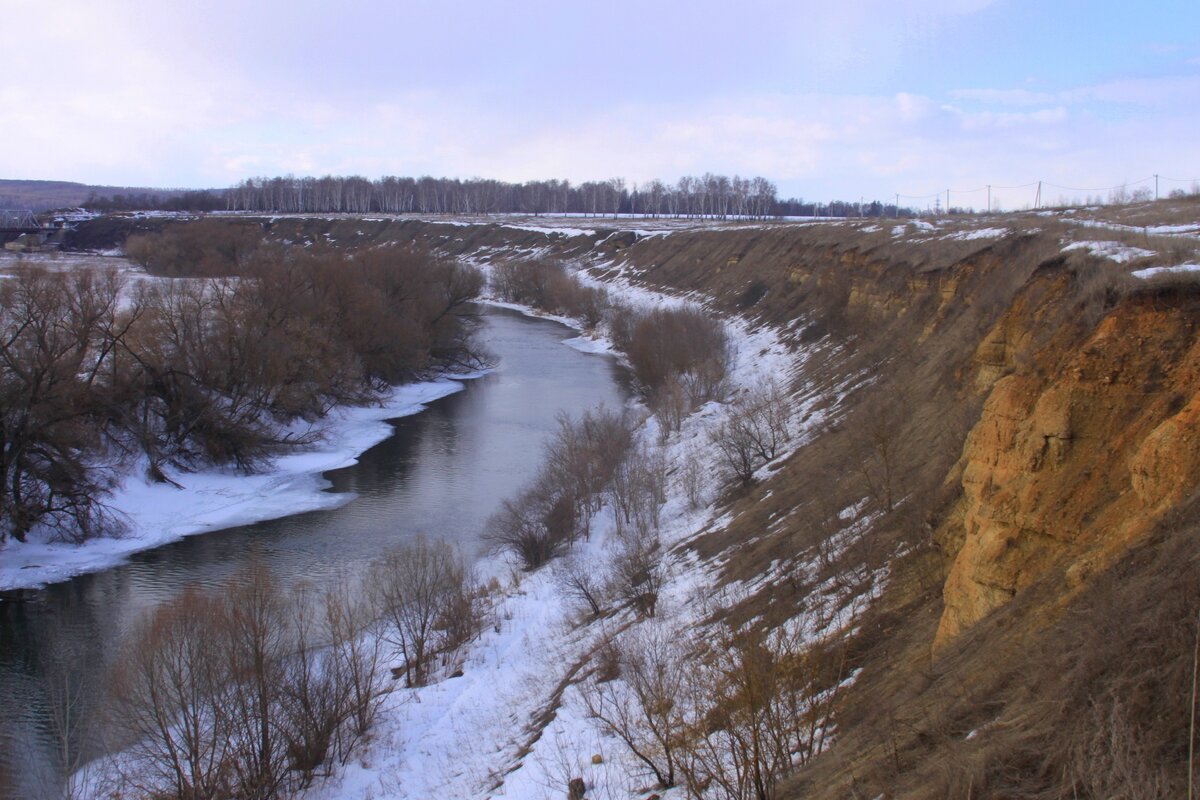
point(913, 317)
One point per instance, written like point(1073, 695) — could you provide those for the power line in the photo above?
point(1101, 188)
point(989, 188)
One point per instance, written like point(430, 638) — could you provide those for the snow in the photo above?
point(981, 233)
point(1188, 230)
point(158, 513)
point(549, 230)
point(475, 736)
point(1152, 271)
point(1114, 251)
point(1174, 230)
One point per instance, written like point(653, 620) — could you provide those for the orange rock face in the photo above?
point(1076, 455)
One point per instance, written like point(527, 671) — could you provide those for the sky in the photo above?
point(838, 99)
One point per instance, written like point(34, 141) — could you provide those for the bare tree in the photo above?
point(877, 442)
point(417, 584)
point(56, 347)
point(691, 477)
point(168, 691)
point(70, 692)
point(753, 432)
point(638, 572)
point(255, 627)
point(637, 490)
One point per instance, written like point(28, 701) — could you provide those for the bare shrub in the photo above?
point(754, 431)
point(546, 284)
point(418, 585)
point(314, 700)
point(638, 572)
point(876, 441)
point(1114, 761)
point(584, 454)
point(683, 346)
point(761, 713)
point(580, 582)
point(207, 248)
point(642, 709)
point(355, 650)
point(535, 525)
point(679, 357)
point(556, 509)
point(671, 405)
point(736, 450)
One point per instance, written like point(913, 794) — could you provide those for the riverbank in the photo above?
point(157, 513)
point(506, 719)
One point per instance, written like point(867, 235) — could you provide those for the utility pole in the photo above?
point(1037, 201)
point(897, 212)
point(989, 198)
point(1156, 186)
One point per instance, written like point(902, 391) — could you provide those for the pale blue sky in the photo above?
point(837, 99)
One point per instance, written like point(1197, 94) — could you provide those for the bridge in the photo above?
point(14, 224)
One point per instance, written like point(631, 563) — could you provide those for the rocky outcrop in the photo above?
point(1077, 454)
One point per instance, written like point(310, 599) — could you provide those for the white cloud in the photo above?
point(147, 104)
point(1008, 97)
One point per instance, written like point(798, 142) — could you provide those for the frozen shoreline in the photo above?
point(213, 499)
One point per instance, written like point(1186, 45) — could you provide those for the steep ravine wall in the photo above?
point(1075, 458)
point(1088, 427)
point(1088, 430)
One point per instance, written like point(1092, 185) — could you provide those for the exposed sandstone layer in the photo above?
point(1076, 456)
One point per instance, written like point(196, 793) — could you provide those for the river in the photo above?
point(441, 474)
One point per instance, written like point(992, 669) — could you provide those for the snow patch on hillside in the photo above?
point(1152, 271)
point(1114, 251)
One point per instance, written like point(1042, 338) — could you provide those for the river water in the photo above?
point(441, 474)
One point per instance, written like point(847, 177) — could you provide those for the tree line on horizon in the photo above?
point(705, 196)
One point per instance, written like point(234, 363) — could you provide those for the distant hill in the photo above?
point(43, 195)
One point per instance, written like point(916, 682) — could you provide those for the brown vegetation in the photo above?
point(427, 597)
point(236, 694)
point(940, 327)
point(556, 509)
point(546, 284)
point(192, 372)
